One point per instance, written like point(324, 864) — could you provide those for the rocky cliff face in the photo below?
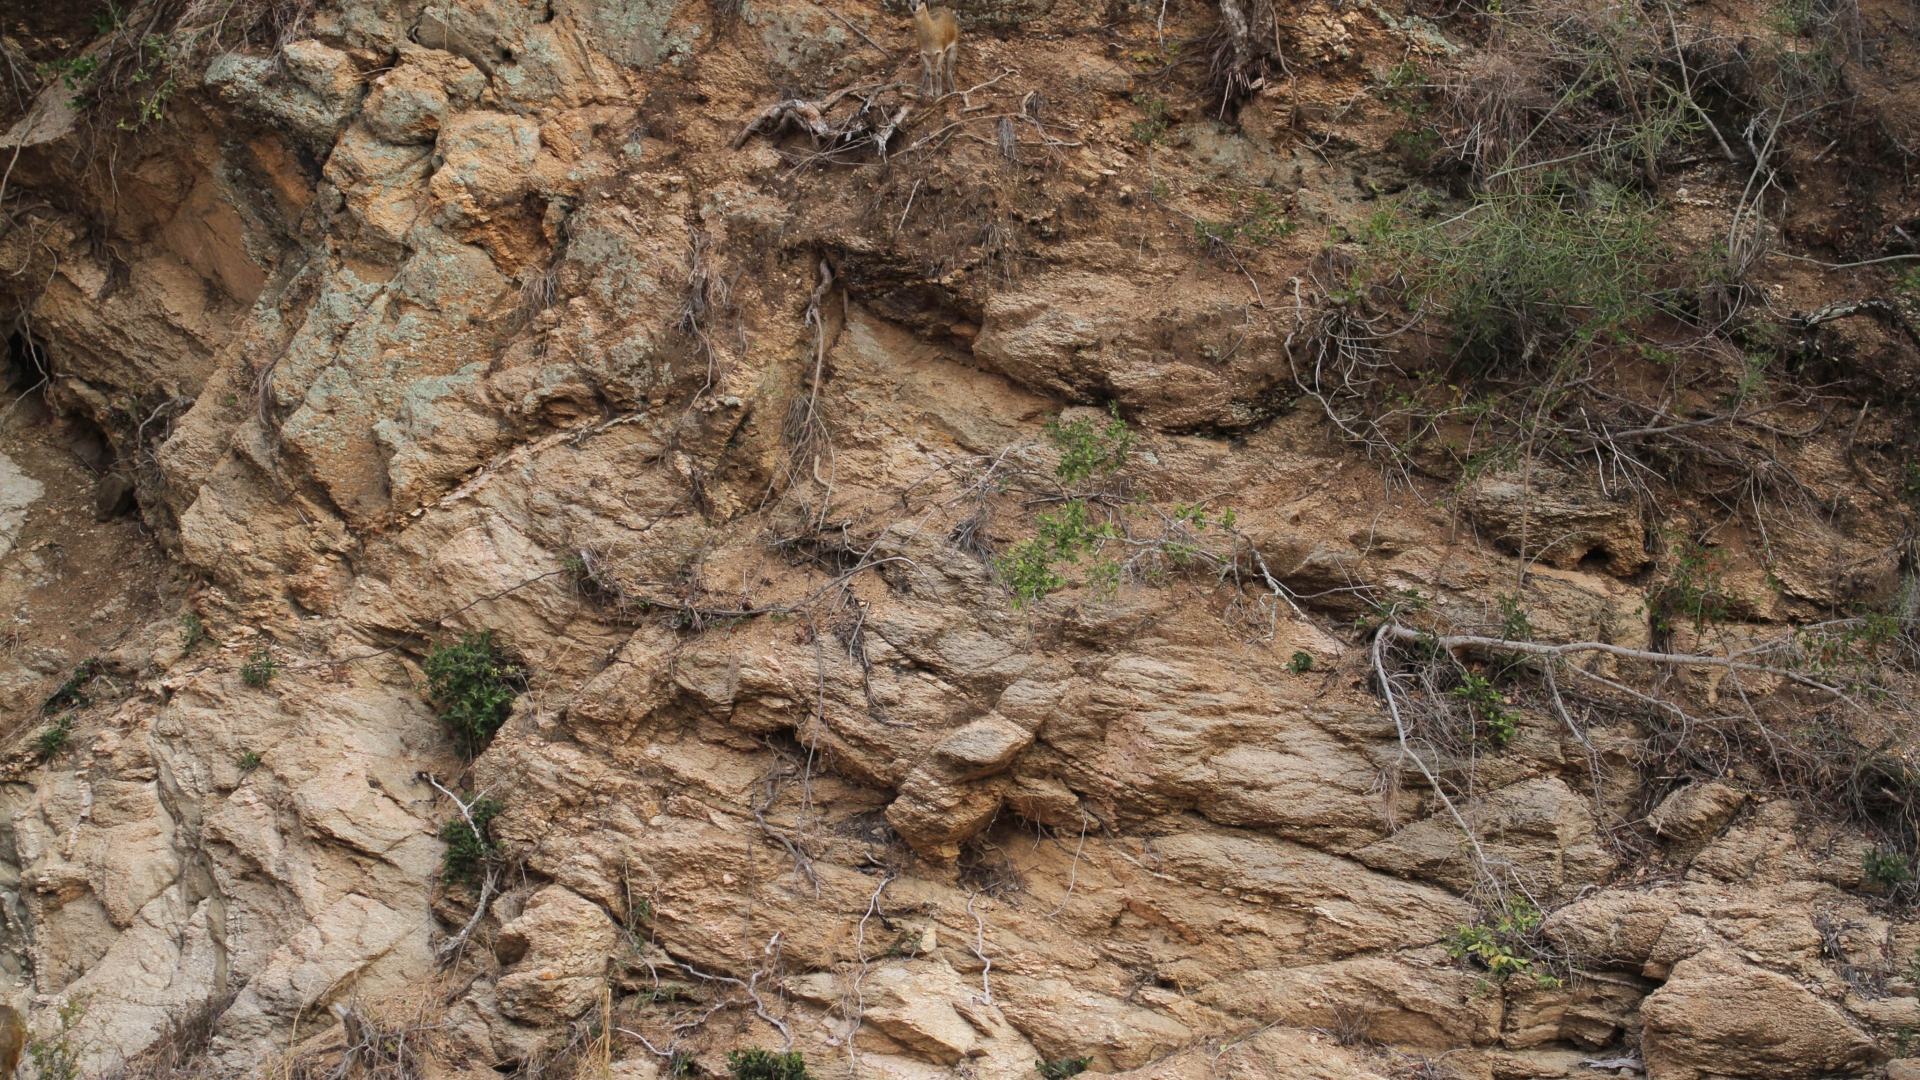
point(1047, 574)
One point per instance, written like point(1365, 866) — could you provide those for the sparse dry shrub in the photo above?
point(180, 1052)
point(394, 1042)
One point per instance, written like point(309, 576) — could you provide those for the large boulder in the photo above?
point(556, 955)
point(1720, 1016)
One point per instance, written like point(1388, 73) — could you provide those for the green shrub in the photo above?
point(1259, 224)
point(53, 738)
point(1526, 275)
point(259, 669)
point(1153, 127)
point(472, 686)
point(466, 853)
point(1887, 867)
point(248, 761)
point(1062, 1068)
point(1691, 590)
point(194, 630)
point(56, 1056)
point(1515, 625)
point(1088, 449)
point(1494, 722)
point(766, 1065)
point(72, 693)
point(1301, 663)
point(1500, 945)
point(1029, 567)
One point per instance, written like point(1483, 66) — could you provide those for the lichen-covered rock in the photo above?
point(408, 105)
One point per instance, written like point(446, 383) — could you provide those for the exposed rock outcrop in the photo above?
point(418, 321)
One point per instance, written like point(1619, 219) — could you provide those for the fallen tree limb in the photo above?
point(1456, 642)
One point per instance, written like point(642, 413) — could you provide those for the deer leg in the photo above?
point(947, 58)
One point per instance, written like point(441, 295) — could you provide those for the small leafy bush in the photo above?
point(57, 1055)
point(1500, 946)
point(259, 669)
point(1526, 275)
point(1153, 127)
point(1886, 867)
point(73, 692)
point(766, 1065)
point(1029, 568)
point(1690, 591)
point(193, 630)
point(472, 686)
point(1062, 1068)
point(1494, 722)
point(1259, 224)
point(248, 761)
point(54, 737)
point(466, 853)
point(1515, 625)
point(1300, 663)
point(1088, 449)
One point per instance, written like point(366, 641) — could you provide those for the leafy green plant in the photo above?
point(1062, 1068)
point(1300, 663)
point(1691, 590)
point(766, 1065)
point(1258, 224)
point(1415, 148)
point(1792, 17)
point(467, 853)
point(1886, 867)
point(1525, 275)
point(108, 19)
point(1514, 623)
point(1501, 945)
point(1088, 449)
point(193, 629)
point(73, 692)
point(54, 737)
point(75, 72)
point(259, 668)
point(1863, 648)
point(1151, 128)
point(472, 686)
point(248, 761)
point(1030, 568)
point(1092, 520)
point(1494, 723)
point(56, 1056)
point(1403, 88)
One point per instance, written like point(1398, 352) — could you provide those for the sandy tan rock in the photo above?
point(1696, 811)
point(1541, 827)
point(1562, 520)
point(555, 955)
point(1779, 1029)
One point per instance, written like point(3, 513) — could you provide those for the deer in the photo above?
point(939, 34)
